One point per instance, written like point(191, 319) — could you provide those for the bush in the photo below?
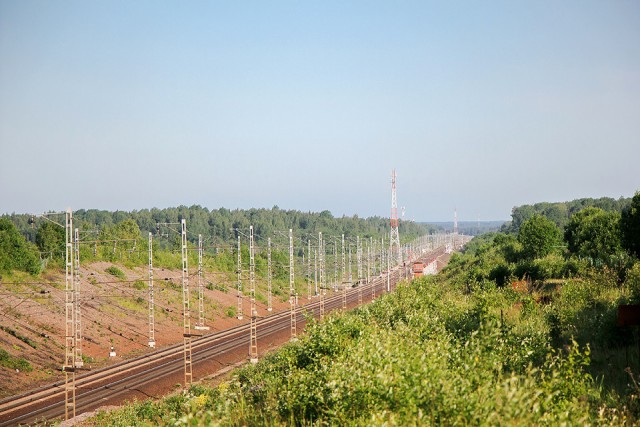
point(632, 282)
point(115, 271)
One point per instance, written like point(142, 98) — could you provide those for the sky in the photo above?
point(309, 105)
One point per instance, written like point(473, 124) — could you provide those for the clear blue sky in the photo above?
point(308, 105)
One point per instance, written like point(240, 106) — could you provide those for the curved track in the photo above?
point(156, 373)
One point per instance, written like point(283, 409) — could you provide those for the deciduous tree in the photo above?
point(538, 236)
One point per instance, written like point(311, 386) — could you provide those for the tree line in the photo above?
point(561, 212)
point(218, 227)
point(537, 248)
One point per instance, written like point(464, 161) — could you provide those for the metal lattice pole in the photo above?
point(373, 287)
point(201, 319)
point(388, 272)
point(253, 339)
point(382, 256)
point(269, 274)
point(292, 290)
point(79, 363)
point(359, 268)
point(350, 272)
point(394, 241)
point(359, 259)
point(343, 278)
point(315, 271)
point(152, 337)
point(70, 336)
point(308, 269)
point(335, 265)
point(239, 280)
point(186, 310)
point(322, 285)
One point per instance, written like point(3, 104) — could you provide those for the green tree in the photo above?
point(50, 239)
point(15, 252)
point(594, 233)
point(538, 236)
point(630, 226)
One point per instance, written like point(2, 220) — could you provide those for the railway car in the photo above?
point(418, 269)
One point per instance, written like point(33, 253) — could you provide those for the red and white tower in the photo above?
point(394, 241)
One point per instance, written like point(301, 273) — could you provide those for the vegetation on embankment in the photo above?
point(430, 353)
point(467, 347)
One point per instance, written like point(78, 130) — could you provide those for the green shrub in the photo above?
point(115, 271)
point(632, 282)
point(139, 285)
point(231, 311)
point(11, 362)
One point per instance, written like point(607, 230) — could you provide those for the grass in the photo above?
point(12, 362)
point(116, 272)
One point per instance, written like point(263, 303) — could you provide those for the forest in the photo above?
point(29, 243)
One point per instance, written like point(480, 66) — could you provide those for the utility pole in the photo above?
point(388, 273)
point(69, 367)
point(322, 284)
point(373, 288)
point(79, 363)
point(188, 373)
point(253, 341)
point(382, 254)
point(343, 277)
point(373, 255)
point(394, 235)
point(186, 303)
point(269, 299)
point(152, 337)
point(315, 271)
point(335, 264)
point(292, 290)
point(201, 321)
point(239, 280)
point(359, 259)
point(359, 269)
point(309, 269)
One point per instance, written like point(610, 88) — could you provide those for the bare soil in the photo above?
point(114, 313)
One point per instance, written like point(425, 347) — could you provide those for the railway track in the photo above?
point(140, 376)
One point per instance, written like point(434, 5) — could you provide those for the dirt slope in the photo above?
point(114, 312)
